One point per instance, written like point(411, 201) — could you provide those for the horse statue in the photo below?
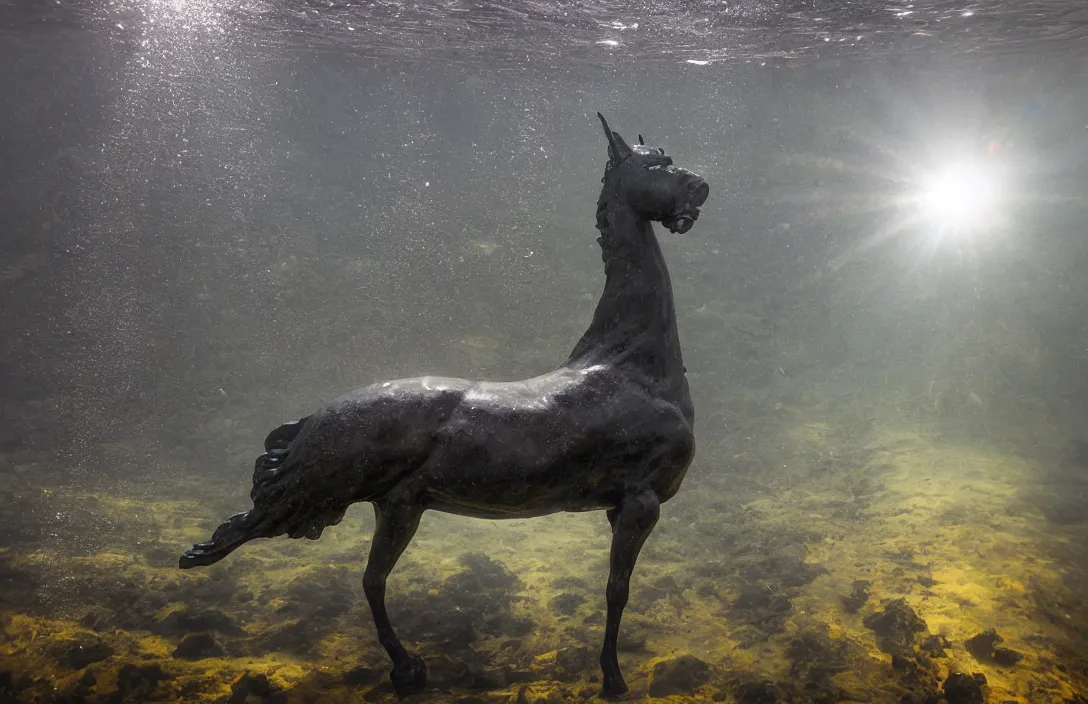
point(610, 429)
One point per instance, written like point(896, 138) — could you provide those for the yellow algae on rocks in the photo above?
point(752, 571)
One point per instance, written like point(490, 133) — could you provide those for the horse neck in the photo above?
point(634, 325)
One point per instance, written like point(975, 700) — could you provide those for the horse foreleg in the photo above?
point(396, 524)
point(632, 521)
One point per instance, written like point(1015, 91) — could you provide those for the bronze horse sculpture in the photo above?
point(610, 429)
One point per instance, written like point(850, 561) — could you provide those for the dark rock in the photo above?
point(138, 682)
point(565, 604)
point(197, 646)
point(450, 672)
point(762, 611)
point(11, 686)
point(490, 574)
point(573, 662)
point(81, 651)
point(77, 691)
point(896, 625)
point(859, 594)
point(474, 602)
point(183, 621)
point(756, 693)
point(1007, 657)
point(661, 588)
point(249, 685)
point(934, 645)
point(97, 619)
point(982, 645)
point(631, 642)
point(788, 570)
point(297, 637)
point(85, 685)
point(964, 689)
point(487, 677)
point(568, 583)
point(815, 657)
point(682, 675)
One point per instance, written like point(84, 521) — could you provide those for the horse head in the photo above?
point(645, 179)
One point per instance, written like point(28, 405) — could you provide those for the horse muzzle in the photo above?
point(697, 191)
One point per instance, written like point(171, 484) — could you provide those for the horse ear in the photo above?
point(641, 140)
point(617, 148)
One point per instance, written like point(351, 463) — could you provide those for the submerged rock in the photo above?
point(183, 621)
point(815, 657)
point(756, 692)
point(682, 675)
point(81, 651)
point(565, 604)
point(762, 611)
point(981, 645)
point(249, 685)
point(896, 625)
point(859, 594)
point(198, 646)
point(472, 603)
point(574, 661)
point(785, 568)
point(139, 682)
point(984, 647)
point(934, 646)
point(964, 689)
point(631, 640)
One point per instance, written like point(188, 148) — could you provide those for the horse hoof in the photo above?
point(614, 689)
point(409, 679)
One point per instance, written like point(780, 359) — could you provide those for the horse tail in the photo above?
point(277, 445)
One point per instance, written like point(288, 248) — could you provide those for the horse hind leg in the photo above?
point(396, 525)
point(632, 522)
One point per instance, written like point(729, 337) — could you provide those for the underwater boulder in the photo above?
point(566, 604)
point(1006, 657)
point(965, 689)
point(682, 675)
point(761, 611)
point(934, 646)
point(981, 645)
point(859, 594)
point(198, 646)
point(185, 620)
point(756, 692)
point(984, 647)
point(249, 685)
point(896, 626)
point(81, 651)
point(136, 682)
